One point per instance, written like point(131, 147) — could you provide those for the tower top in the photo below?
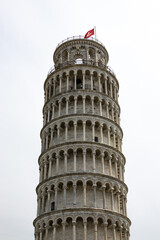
point(79, 50)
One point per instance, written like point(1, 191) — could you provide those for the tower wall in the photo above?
point(81, 193)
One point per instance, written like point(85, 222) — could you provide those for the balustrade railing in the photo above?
point(79, 37)
point(84, 61)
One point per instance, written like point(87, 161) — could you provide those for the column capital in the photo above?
point(105, 224)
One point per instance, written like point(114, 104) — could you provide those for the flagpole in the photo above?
point(95, 32)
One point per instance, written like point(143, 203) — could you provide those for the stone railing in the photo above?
point(85, 62)
point(79, 37)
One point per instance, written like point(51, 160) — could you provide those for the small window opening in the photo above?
point(52, 206)
point(79, 83)
point(96, 139)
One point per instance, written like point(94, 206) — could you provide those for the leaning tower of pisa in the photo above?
point(81, 193)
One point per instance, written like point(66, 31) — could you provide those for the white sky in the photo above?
point(29, 33)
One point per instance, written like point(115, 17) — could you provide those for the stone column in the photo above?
point(114, 232)
point(60, 84)
point(84, 131)
point(45, 117)
point(75, 81)
point(57, 164)
point(46, 233)
point(59, 114)
point(116, 172)
point(95, 230)
point(54, 87)
point(118, 142)
point(114, 142)
point(75, 160)
point(84, 193)
point(38, 205)
point(51, 142)
point(45, 170)
point(42, 172)
point(120, 231)
point(48, 117)
point(49, 90)
point(66, 131)
point(54, 232)
point(74, 230)
point(105, 230)
point(114, 88)
point(63, 230)
point(53, 108)
point(36, 235)
point(107, 109)
point(104, 196)
point(42, 203)
point(67, 87)
point(50, 167)
point(91, 82)
point(58, 134)
point(43, 143)
point(92, 105)
point(67, 100)
point(102, 161)
point(46, 141)
point(93, 132)
point(120, 170)
point(85, 230)
point(64, 196)
point(84, 105)
point(84, 160)
point(112, 200)
point(83, 81)
point(74, 194)
point(41, 234)
point(99, 83)
point(75, 105)
point(118, 201)
point(111, 94)
point(123, 208)
point(125, 205)
point(94, 162)
point(101, 132)
point(112, 113)
point(49, 200)
point(75, 131)
point(94, 190)
point(108, 135)
point(65, 161)
point(106, 90)
point(100, 107)
point(46, 92)
point(110, 165)
point(56, 191)
point(116, 116)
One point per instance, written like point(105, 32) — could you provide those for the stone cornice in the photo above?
point(80, 143)
point(65, 117)
point(71, 67)
point(82, 211)
point(81, 92)
point(83, 174)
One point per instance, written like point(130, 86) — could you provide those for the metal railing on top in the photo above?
point(79, 37)
point(86, 62)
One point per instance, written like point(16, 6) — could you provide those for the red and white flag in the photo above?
point(89, 33)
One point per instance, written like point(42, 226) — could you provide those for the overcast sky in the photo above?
point(29, 32)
